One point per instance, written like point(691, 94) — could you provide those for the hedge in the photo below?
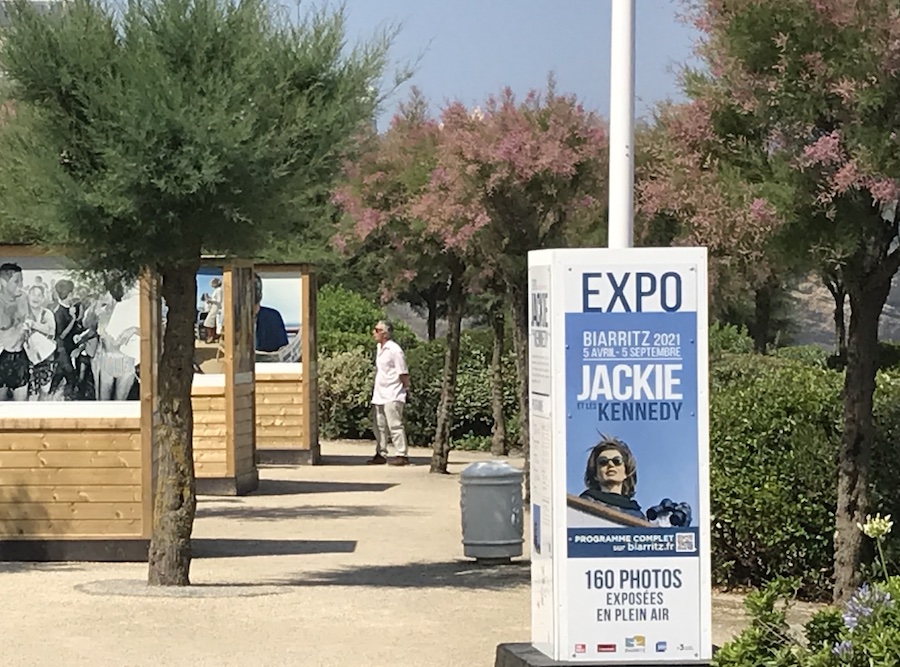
point(775, 430)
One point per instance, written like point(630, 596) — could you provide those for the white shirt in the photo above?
point(390, 364)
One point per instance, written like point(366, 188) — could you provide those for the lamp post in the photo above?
point(621, 126)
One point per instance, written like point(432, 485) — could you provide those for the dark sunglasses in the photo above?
point(602, 461)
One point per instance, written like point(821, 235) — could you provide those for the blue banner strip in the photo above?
point(633, 542)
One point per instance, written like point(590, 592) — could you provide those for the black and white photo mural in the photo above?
point(66, 335)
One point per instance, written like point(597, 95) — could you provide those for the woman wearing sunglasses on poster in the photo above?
point(611, 479)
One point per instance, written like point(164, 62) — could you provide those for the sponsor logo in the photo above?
point(580, 648)
point(606, 648)
point(661, 647)
point(636, 644)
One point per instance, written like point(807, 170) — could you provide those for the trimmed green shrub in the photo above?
point(812, 355)
point(774, 437)
point(774, 431)
point(345, 393)
point(728, 338)
point(345, 321)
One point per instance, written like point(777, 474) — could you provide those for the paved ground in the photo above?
point(335, 565)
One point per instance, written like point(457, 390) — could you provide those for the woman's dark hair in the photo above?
point(606, 443)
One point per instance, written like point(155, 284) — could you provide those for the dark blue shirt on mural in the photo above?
point(271, 334)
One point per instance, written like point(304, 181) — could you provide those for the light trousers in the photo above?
point(389, 424)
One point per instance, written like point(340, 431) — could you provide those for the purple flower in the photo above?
point(843, 649)
point(863, 604)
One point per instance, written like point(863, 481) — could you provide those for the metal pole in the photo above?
point(621, 126)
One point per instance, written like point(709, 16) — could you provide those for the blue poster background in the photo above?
point(666, 451)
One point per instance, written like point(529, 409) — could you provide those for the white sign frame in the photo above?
point(560, 608)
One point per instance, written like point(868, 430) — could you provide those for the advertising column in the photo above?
point(629, 461)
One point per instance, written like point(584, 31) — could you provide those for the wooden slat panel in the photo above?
point(277, 378)
point(54, 511)
point(69, 441)
point(278, 400)
point(295, 442)
point(209, 455)
point(285, 420)
point(209, 431)
point(279, 411)
point(70, 424)
point(76, 493)
point(17, 477)
point(76, 459)
point(280, 388)
point(205, 418)
point(210, 469)
point(216, 404)
point(203, 393)
point(56, 527)
point(203, 444)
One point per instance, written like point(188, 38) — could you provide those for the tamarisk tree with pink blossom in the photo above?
point(707, 177)
point(383, 229)
point(822, 78)
point(513, 176)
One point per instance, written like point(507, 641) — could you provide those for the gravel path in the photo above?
point(334, 565)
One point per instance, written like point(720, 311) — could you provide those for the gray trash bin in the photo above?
point(491, 506)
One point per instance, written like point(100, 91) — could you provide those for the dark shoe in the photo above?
point(399, 461)
point(377, 460)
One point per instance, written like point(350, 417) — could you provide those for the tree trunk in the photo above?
point(854, 461)
point(455, 305)
point(431, 304)
point(839, 294)
point(762, 317)
point(518, 297)
point(175, 501)
point(498, 431)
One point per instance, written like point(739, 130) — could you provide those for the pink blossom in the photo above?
point(884, 190)
point(825, 150)
point(761, 210)
point(846, 178)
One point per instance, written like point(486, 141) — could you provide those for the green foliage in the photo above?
point(824, 629)
point(811, 355)
point(767, 640)
point(345, 393)
point(145, 134)
point(346, 319)
point(728, 338)
point(775, 428)
point(865, 633)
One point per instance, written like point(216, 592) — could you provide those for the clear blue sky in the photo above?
point(472, 48)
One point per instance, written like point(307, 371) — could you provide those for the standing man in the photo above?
point(389, 397)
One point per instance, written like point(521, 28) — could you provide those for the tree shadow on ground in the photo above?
point(12, 567)
point(453, 574)
point(290, 487)
point(303, 512)
point(207, 547)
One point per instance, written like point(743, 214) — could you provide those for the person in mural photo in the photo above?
point(40, 343)
point(214, 301)
point(271, 334)
point(14, 364)
point(66, 339)
point(68, 326)
point(611, 476)
point(611, 479)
